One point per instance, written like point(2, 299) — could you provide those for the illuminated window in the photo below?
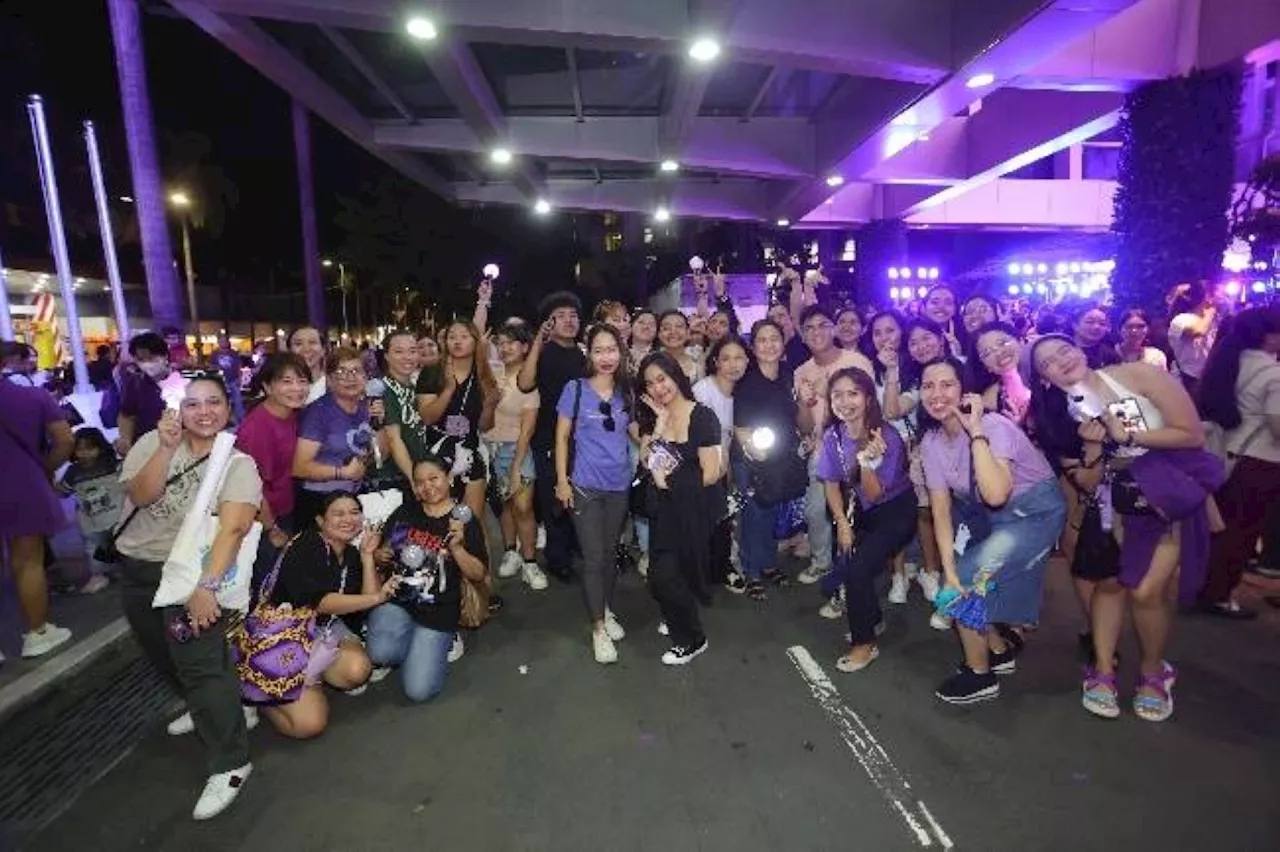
point(613, 241)
point(648, 235)
point(850, 251)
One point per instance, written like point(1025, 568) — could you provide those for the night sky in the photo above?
point(197, 86)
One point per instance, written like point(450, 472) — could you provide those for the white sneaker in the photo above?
point(929, 584)
point(662, 629)
point(898, 589)
point(220, 791)
point(938, 621)
point(642, 565)
point(533, 576)
point(457, 649)
point(96, 583)
point(542, 537)
point(184, 724)
point(37, 643)
point(510, 565)
point(833, 608)
point(379, 674)
point(812, 574)
point(603, 646)
point(359, 690)
point(612, 627)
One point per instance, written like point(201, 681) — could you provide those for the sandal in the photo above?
point(848, 666)
point(756, 591)
point(1157, 707)
point(1100, 694)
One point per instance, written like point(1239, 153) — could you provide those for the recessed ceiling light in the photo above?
point(127, 199)
point(500, 156)
point(542, 207)
point(784, 223)
point(669, 166)
point(662, 214)
point(835, 180)
point(977, 81)
point(704, 49)
point(423, 29)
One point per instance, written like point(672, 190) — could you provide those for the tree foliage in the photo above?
point(1175, 180)
point(1255, 215)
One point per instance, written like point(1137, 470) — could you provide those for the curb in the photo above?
point(32, 686)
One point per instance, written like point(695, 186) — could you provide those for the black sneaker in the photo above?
point(735, 583)
point(1003, 664)
point(678, 655)
point(755, 590)
point(775, 576)
point(969, 687)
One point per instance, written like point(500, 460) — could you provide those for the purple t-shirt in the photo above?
point(837, 460)
point(140, 399)
point(600, 456)
point(341, 437)
point(946, 460)
point(28, 505)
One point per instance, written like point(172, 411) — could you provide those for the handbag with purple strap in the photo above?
point(272, 647)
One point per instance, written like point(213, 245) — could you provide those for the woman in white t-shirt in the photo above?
point(728, 363)
point(1240, 392)
point(1192, 330)
point(1134, 326)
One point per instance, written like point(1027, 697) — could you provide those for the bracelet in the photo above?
point(210, 584)
point(973, 439)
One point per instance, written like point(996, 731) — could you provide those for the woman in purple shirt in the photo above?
point(862, 464)
point(996, 510)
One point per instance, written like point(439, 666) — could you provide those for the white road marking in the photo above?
point(870, 754)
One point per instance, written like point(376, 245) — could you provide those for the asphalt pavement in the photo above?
point(760, 744)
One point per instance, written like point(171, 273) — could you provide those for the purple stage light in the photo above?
point(893, 291)
point(906, 272)
point(922, 291)
point(1233, 288)
point(1014, 269)
point(1013, 289)
point(1259, 287)
point(893, 273)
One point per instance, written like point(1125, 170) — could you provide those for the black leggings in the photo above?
point(882, 531)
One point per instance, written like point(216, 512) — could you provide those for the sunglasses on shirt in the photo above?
point(606, 409)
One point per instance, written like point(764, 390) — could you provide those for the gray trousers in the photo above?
point(199, 669)
point(598, 517)
point(818, 518)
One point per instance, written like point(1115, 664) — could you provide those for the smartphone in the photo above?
point(662, 458)
point(966, 408)
point(173, 389)
point(1129, 413)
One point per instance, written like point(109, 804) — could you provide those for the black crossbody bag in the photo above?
point(107, 553)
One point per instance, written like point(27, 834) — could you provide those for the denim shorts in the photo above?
point(1022, 538)
point(502, 454)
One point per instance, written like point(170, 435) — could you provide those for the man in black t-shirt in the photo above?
point(553, 362)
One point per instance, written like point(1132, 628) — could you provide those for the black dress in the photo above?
point(680, 533)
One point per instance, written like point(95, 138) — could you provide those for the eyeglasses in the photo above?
point(606, 409)
point(349, 372)
point(1003, 346)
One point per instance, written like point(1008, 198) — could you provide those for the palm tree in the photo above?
point(157, 252)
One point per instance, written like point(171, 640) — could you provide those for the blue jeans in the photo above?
point(395, 639)
point(817, 517)
point(757, 548)
point(1023, 533)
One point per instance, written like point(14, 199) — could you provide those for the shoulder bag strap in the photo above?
point(136, 509)
point(573, 427)
point(269, 581)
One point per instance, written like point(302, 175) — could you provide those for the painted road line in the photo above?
point(870, 754)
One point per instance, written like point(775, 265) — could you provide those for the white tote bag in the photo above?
point(187, 560)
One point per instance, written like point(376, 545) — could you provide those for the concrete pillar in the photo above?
point(148, 193)
point(307, 209)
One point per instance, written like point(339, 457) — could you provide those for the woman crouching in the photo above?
point(323, 570)
point(430, 546)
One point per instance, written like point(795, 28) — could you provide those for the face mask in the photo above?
point(158, 370)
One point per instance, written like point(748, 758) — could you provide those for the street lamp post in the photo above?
point(182, 202)
point(342, 285)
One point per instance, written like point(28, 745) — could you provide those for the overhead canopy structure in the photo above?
point(814, 111)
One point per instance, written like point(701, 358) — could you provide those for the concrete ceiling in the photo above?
point(591, 95)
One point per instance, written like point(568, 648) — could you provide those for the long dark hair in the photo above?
point(1101, 354)
point(668, 365)
point(730, 339)
point(1048, 416)
point(980, 378)
point(926, 420)
point(622, 383)
point(107, 457)
point(963, 337)
point(869, 346)
point(1218, 401)
point(874, 418)
point(909, 369)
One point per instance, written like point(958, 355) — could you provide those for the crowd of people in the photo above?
point(955, 449)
